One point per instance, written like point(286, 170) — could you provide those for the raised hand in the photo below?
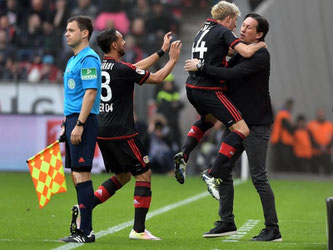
point(175, 50)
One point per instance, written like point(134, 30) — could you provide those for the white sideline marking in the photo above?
point(242, 231)
point(159, 211)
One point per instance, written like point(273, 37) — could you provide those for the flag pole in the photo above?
point(41, 152)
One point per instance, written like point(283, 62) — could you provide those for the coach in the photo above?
point(248, 87)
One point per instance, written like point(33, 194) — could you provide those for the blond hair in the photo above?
point(223, 9)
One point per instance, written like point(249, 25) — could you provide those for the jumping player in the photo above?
point(205, 93)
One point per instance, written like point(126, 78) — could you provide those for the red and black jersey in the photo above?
point(116, 119)
point(211, 45)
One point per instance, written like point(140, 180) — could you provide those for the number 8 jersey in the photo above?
point(116, 119)
point(211, 45)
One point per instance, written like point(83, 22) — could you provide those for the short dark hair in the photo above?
point(263, 25)
point(84, 23)
point(106, 38)
point(301, 118)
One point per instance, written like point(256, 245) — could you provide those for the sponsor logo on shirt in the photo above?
point(71, 83)
point(88, 74)
point(145, 159)
point(140, 71)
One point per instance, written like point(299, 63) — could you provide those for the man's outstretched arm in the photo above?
point(152, 59)
point(249, 66)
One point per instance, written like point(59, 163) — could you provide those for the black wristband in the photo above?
point(160, 53)
point(79, 123)
point(63, 123)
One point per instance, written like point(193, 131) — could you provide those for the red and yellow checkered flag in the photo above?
point(47, 173)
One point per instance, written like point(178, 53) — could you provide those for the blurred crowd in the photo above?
point(32, 45)
point(301, 145)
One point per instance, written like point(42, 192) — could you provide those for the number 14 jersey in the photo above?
point(211, 46)
point(116, 120)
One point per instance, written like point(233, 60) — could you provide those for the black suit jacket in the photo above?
point(248, 85)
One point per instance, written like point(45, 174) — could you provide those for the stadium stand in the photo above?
point(32, 32)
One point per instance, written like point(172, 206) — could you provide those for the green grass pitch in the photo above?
point(300, 205)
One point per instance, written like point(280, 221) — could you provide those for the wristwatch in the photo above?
point(200, 66)
point(79, 123)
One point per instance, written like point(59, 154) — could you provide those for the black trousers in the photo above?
point(283, 158)
point(255, 145)
point(321, 164)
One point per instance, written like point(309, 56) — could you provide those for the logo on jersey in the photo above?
point(145, 159)
point(88, 74)
point(71, 83)
point(140, 71)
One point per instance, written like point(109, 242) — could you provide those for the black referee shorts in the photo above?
point(215, 103)
point(122, 156)
point(80, 157)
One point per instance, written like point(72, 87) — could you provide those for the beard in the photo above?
point(121, 52)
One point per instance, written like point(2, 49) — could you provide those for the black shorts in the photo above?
point(124, 156)
point(80, 157)
point(215, 103)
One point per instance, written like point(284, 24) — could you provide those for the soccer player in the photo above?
point(82, 84)
point(248, 87)
point(118, 140)
point(205, 93)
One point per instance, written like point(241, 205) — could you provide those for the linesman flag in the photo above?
point(47, 173)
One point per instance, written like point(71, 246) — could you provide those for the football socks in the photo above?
point(85, 193)
point(106, 190)
point(142, 198)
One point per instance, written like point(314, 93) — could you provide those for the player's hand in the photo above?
point(231, 52)
point(175, 50)
point(76, 135)
point(191, 65)
point(166, 41)
point(262, 45)
point(62, 136)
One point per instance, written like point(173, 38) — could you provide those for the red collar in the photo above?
point(108, 57)
point(212, 20)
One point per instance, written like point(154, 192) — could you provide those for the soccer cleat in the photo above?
point(76, 219)
point(268, 234)
point(146, 235)
point(180, 167)
point(79, 237)
point(221, 229)
point(212, 184)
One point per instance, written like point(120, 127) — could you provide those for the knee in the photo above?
point(79, 177)
point(241, 127)
point(245, 130)
point(146, 176)
point(211, 120)
point(260, 184)
point(123, 178)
